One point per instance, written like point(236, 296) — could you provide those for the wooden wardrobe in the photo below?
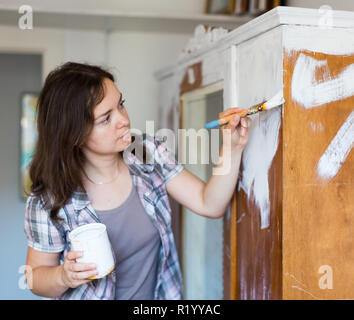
point(288, 232)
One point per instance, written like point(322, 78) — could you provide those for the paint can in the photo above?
point(93, 240)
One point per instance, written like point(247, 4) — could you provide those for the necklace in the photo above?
point(100, 182)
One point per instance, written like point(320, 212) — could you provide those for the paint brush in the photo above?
point(276, 101)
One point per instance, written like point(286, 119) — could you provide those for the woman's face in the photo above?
point(111, 129)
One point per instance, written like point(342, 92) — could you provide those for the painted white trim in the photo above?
point(200, 92)
point(233, 77)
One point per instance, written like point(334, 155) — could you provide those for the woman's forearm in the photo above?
point(47, 281)
point(220, 187)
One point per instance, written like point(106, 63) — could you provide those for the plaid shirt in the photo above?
point(150, 179)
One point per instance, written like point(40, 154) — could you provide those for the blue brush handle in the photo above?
point(212, 124)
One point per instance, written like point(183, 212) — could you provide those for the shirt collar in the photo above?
point(80, 200)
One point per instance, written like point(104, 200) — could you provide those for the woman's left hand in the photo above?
point(239, 129)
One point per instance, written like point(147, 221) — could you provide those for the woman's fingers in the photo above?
point(238, 130)
point(82, 271)
point(77, 273)
point(78, 276)
point(245, 122)
point(244, 130)
point(73, 255)
point(229, 111)
point(77, 267)
point(237, 121)
point(234, 122)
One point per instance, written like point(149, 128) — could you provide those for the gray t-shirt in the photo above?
point(136, 243)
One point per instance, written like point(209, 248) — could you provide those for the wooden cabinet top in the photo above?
point(288, 16)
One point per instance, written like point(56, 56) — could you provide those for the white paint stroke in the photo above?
point(257, 159)
point(338, 150)
point(311, 93)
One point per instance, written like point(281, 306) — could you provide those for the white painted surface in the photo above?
point(230, 82)
point(326, 40)
point(338, 150)
point(258, 157)
point(214, 67)
point(309, 92)
point(203, 37)
point(259, 78)
point(259, 65)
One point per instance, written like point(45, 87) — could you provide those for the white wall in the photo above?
point(84, 46)
point(56, 46)
point(48, 42)
point(19, 73)
point(132, 56)
point(335, 4)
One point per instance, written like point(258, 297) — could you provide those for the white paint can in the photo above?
point(93, 240)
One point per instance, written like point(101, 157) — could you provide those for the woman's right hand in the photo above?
point(74, 274)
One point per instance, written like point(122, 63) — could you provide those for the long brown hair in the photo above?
point(64, 121)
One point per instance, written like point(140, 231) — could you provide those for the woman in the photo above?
point(80, 176)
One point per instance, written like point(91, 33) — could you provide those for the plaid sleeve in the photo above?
point(41, 233)
point(170, 167)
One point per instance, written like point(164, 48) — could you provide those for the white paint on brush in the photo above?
point(309, 92)
point(258, 157)
point(338, 150)
point(276, 101)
